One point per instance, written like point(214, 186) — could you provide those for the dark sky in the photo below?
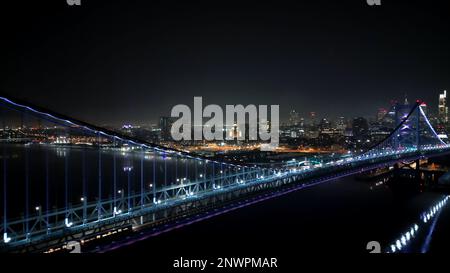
point(116, 61)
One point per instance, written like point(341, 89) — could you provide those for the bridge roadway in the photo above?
point(277, 182)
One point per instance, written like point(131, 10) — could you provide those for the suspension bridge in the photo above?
point(64, 179)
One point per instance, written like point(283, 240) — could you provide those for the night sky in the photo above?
point(111, 62)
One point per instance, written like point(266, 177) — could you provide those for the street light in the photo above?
point(67, 223)
point(6, 239)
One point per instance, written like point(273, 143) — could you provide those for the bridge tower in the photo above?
point(407, 119)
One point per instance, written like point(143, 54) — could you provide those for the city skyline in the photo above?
point(318, 116)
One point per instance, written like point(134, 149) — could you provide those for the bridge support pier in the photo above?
point(417, 169)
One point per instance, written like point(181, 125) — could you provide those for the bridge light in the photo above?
point(403, 239)
point(408, 236)
point(37, 208)
point(201, 175)
point(67, 223)
point(6, 239)
point(82, 199)
point(412, 231)
point(393, 248)
point(116, 212)
point(398, 244)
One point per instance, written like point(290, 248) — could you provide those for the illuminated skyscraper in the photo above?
point(165, 123)
point(360, 127)
point(341, 125)
point(312, 117)
point(443, 109)
point(381, 114)
point(294, 118)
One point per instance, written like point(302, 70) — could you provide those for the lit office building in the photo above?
point(443, 109)
point(165, 123)
point(294, 118)
point(382, 112)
